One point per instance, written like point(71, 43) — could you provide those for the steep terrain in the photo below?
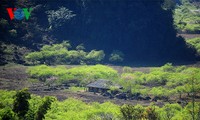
point(141, 29)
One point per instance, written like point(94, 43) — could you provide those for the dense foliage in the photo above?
point(195, 42)
point(83, 74)
point(162, 82)
point(144, 36)
point(60, 54)
point(43, 108)
point(23, 106)
point(70, 109)
point(187, 16)
point(116, 56)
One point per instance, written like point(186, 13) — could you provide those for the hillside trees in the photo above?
point(127, 37)
point(195, 42)
point(95, 56)
point(186, 17)
point(168, 4)
point(57, 18)
point(60, 54)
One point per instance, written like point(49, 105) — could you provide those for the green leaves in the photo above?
point(116, 56)
point(187, 17)
point(130, 112)
point(60, 54)
point(161, 81)
point(95, 56)
point(84, 74)
point(69, 108)
point(43, 108)
point(195, 42)
point(8, 114)
point(49, 108)
point(21, 104)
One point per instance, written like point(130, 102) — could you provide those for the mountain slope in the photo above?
point(141, 29)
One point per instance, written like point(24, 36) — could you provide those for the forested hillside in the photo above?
point(187, 16)
point(142, 30)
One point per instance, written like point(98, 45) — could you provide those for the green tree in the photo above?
point(66, 44)
point(75, 57)
point(127, 69)
point(168, 68)
point(168, 111)
point(130, 112)
point(95, 56)
point(21, 104)
point(169, 4)
point(80, 47)
point(180, 90)
point(116, 56)
point(43, 108)
point(34, 58)
point(8, 115)
point(151, 113)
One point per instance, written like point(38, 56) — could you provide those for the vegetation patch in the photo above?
point(187, 17)
point(49, 108)
point(81, 75)
point(195, 43)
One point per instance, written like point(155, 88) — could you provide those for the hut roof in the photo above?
point(100, 84)
point(105, 84)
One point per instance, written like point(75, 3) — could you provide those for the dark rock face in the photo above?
point(141, 29)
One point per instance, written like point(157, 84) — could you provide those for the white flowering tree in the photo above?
point(57, 18)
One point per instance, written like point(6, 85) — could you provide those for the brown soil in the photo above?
point(13, 77)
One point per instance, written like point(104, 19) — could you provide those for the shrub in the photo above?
point(127, 70)
point(130, 112)
point(151, 113)
point(59, 54)
point(8, 114)
point(116, 56)
point(95, 56)
point(168, 111)
point(13, 32)
point(83, 74)
point(195, 42)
